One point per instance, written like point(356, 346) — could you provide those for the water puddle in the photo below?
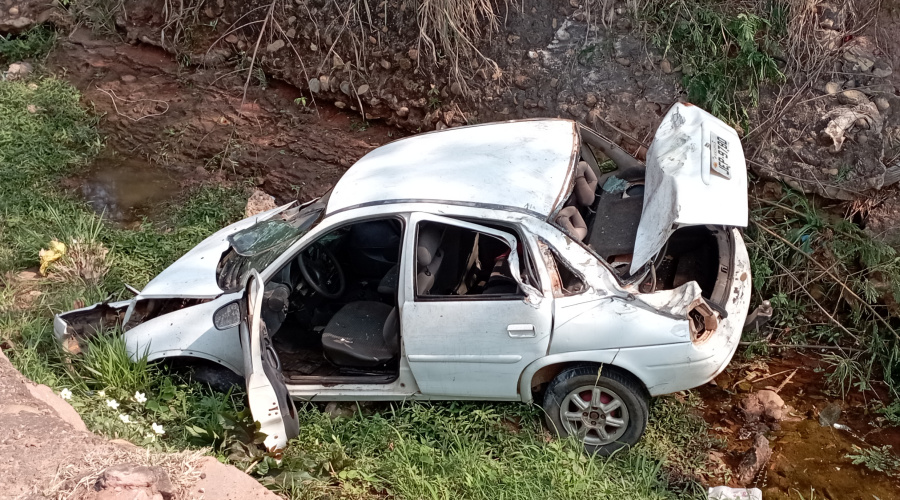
point(125, 190)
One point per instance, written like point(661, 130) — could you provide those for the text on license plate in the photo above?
point(718, 156)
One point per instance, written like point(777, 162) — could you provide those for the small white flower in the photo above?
point(102, 394)
point(140, 397)
point(125, 418)
point(158, 429)
point(65, 394)
point(112, 403)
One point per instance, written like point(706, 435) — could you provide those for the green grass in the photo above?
point(34, 44)
point(727, 51)
point(829, 283)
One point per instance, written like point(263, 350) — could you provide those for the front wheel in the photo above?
point(603, 407)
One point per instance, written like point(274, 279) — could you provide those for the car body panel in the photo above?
point(682, 187)
point(524, 165)
point(477, 348)
point(194, 274)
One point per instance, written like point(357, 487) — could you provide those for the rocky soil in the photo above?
point(47, 452)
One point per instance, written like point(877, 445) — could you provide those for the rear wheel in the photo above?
point(603, 407)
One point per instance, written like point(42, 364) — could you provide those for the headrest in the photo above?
point(428, 243)
point(571, 221)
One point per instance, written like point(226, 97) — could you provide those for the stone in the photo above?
point(363, 89)
point(413, 54)
point(882, 104)
point(590, 100)
point(523, 81)
point(665, 66)
point(882, 69)
point(313, 47)
point(135, 481)
point(829, 415)
point(455, 88)
point(128, 78)
point(218, 480)
point(13, 11)
point(231, 38)
point(403, 112)
point(19, 70)
point(274, 46)
point(340, 104)
point(852, 97)
point(59, 405)
point(258, 203)
point(624, 61)
point(385, 64)
point(562, 35)
point(291, 33)
point(754, 460)
point(532, 54)
point(314, 85)
point(832, 88)
point(764, 403)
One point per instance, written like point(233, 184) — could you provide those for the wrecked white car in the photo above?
point(488, 262)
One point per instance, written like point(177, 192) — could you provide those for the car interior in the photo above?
point(604, 211)
point(332, 311)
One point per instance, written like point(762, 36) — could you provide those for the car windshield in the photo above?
point(260, 244)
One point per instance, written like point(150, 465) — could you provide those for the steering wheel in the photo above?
point(321, 270)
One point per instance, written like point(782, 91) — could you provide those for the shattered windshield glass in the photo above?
point(260, 244)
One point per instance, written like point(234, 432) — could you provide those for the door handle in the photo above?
point(520, 331)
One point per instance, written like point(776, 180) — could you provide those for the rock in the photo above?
point(13, 11)
point(340, 104)
point(128, 78)
point(532, 54)
point(218, 480)
point(16, 24)
point(19, 70)
point(665, 66)
point(405, 64)
point(129, 481)
point(754, 460)
point(882, 69)
point(32, 108)
point(829, 415)
point(860, 56)
point(385, 64)
point(259, 202)
point(314, 85)
point(403, 112)
point(763, 404)
point(413, 54)
point(882, 104)
point(832, 88)
point(274, 46)
point(523, 81)
point(562, 35)
point(363, 89)
point(231, 38)
point(624, 61)
point(455, 88)
point(852, 97)
point(291, 33)
point(590, 100)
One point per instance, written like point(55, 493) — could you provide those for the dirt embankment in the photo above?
point(47, 452)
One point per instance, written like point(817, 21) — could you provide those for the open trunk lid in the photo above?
point(696, 175)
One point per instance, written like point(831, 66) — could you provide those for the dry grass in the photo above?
point(84, 261)
point(75, 480)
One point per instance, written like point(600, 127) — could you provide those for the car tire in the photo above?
point(616, 420)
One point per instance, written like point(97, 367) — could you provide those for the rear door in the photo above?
point(473, 345)
point(270, 402)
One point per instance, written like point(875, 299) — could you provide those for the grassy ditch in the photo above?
point(726, 50)
point(830, 284)
point(409, 450)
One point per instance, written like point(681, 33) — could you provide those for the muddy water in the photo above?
point(125, 190)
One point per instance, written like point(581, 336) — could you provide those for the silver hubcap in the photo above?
point(595, 415)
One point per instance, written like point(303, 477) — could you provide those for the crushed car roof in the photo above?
point(522, 165)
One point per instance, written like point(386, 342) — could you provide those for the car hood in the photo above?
point(696, 175)
point(194, 274)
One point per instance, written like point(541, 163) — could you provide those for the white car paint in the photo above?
point(685, 189)
point(524, 165)
point(471, 350)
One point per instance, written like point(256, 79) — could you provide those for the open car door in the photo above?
point(270, 402)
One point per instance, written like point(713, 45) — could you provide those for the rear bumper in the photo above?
point(677, 367)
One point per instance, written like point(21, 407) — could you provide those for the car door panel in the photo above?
point(468, 346)
point(270, 402)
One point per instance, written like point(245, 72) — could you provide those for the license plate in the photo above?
point(718, 156)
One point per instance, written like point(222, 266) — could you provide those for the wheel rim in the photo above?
point(595, 415)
